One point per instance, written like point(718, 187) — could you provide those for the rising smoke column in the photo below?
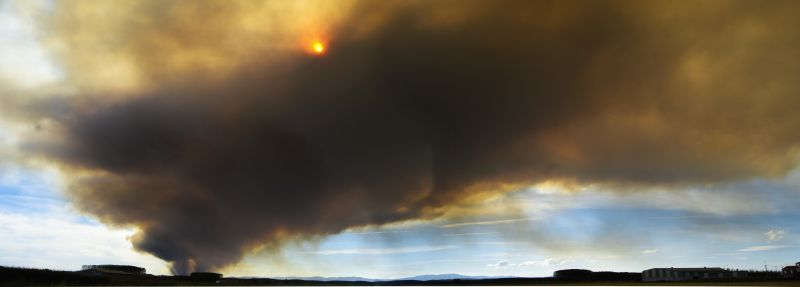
point(415, 107)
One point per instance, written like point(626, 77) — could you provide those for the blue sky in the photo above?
point(593, 230)
point(558, 229)
point(533, 231)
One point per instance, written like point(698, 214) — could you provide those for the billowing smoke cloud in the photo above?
point(416, 107)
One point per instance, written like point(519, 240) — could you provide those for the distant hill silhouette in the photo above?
point(321, 278)
point(449, 276)
point(426, 277)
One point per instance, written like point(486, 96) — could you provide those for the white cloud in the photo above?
point(545, 262)
point(23, 61)
point(527, 263)
point(490, 222)
point(39, 229)
point(377, 232)
point(382, 251)
point(61, 240)
point(500, 265)
point(650, 251)
point(762, 248)
point(775, 234)
point(729, 199)
point(472, 233)
point(554, 262)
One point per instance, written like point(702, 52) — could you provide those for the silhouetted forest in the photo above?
point(14, 276)
point(10, 276)
point(588, 275)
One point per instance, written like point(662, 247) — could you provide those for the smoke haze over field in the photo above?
point(206, 126)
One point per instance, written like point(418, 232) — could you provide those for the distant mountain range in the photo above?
point(450, 277)
point(427, 277)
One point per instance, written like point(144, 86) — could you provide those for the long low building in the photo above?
point(791, 271)
point(686, 274)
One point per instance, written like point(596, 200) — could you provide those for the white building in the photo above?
point(685, 274)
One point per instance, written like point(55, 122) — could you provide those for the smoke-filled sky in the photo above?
point(394, 138)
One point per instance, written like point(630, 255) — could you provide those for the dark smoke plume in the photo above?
point(408, 119)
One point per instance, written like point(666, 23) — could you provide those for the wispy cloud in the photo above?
point(377, 232)
point(488, 222)
point(436, 262)
point(470, 233)
point(650, 251)
point(545, 262)
point(500, 265)
point(502, 243)
point(775, 234)
point(61, 239)
point(762, 248)
point(382, 251)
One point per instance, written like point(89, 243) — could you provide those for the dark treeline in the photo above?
point(763, 274)
point(13, 276)
point(588, 275)
point(16, 276)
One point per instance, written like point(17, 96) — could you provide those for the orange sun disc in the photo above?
point(317, 47)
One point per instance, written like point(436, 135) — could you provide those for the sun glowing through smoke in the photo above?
point(318, 48)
